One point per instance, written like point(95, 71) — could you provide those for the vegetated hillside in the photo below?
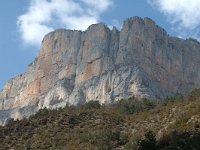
point(127, 124)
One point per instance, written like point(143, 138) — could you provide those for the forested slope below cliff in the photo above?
point(127, 124)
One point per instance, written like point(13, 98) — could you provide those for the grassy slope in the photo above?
point(175, 123)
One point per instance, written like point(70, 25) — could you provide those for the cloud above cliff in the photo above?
point(43, 16)
point(182, 14)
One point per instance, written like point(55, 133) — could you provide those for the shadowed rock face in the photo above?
point(101, 64)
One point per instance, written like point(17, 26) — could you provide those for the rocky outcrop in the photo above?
point(101, 64)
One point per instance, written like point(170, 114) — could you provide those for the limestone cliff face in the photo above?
point(101, 64)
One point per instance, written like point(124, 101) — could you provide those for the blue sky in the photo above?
point(24, 23)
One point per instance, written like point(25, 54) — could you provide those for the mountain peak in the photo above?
point(106, 65)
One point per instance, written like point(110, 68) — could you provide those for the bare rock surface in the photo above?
point(74, 67)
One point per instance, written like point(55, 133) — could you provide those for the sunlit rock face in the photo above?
point(102, 64)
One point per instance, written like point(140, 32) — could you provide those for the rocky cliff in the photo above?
point(73, 67)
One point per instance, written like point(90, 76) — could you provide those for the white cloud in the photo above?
point(182, 14)
point(44, 16)
point(115, 23)
point(97, 6)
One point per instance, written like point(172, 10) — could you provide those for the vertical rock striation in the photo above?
point(101, 64)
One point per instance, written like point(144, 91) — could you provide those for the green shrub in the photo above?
point(133, 105)
point(149, 142)
point(92, 105)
